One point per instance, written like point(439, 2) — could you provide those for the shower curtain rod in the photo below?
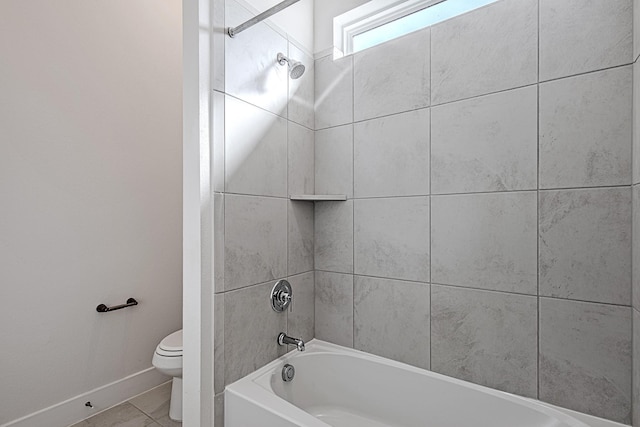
point(232, 31)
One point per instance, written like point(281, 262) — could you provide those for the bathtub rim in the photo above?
point(255, 388)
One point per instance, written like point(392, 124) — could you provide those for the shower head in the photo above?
point(296, 68)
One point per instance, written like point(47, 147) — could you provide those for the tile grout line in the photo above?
point(537, 83)
point(430, 199)
point(538, 216)
point(353, 203)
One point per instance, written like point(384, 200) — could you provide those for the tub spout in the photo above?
point(283, 339)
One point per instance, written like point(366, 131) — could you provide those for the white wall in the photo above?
point(324, 12)
point(90, 190)
point(296, 20)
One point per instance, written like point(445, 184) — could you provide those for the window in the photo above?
point(379, 21)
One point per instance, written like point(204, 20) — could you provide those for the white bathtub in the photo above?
point(340, 387)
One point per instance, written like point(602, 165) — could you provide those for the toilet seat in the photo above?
point(171, 345)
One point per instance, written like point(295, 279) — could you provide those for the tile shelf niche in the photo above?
point(319, 197)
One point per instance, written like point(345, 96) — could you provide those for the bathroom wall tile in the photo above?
point(301, 91)
point(492, 49)
point(485, 241)
point(252, 72)
point(301, 159)
point(255, 240)
point(301, 314)
point(488, 143)
point(333, 238)
point(636, 369)
point(333, 91)
point(124, 414)
point(635, 249)
point(391, 238)
point(252, 328)
point(392, 77)
point(217, 134)
point(636, 120)
point(578, 36)
point(488, 338)
point(636, 29)
point(585, 245)
point(391, 155)
point(218, 40)
point(218, 242)
point(218, 343)
point(256, 155)
point(391, 319)
point(300, 240)
point(334, 308)
point(218, 404)
point(577, 115)
point(334, 161)
point(155, 402)
point(585, 357)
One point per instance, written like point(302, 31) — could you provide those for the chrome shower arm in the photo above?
point(232, 31)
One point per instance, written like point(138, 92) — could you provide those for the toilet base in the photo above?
point(175, 407)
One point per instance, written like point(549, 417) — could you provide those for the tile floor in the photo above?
point(147, 409)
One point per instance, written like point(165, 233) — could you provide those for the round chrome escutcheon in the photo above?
point(288, 372)
point(281, 296)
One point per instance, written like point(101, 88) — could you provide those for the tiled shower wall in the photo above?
point(262, 152)
point(636, 213)
point(487, 231)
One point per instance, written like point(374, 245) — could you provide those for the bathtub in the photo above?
point(341, 387)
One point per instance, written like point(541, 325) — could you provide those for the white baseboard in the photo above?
point(73, 410)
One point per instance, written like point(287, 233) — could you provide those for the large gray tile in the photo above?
point(123, 415)
point(585, 244)
point(301, 91)
point(333, 237)
point(585, 357)
point(585, 130)
point(636, 120)
point(218, 40)
point(301, 148)
point(168, 422)
point(218, 405)
point(488, 143)
point(218, 242)
point(255, 240)
point(577, 36)
point(252, 72)
point(334, 308)
point(251, 332)
point(635, 247)
point(391, 155)
point(301, 314)
point(636, 369)
point(217, 135)
point(490, 49)
point(218, 343)
point(300, 240)
point(392, 77)
point(333, 92)
point(334, 161)
point(636, 29)
point(485, 241)
point(256, 155)
point(488, 338)
point(155, 402)
point(391, 238)
point(391, 319)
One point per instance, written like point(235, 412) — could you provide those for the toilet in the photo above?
point(168, 360)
